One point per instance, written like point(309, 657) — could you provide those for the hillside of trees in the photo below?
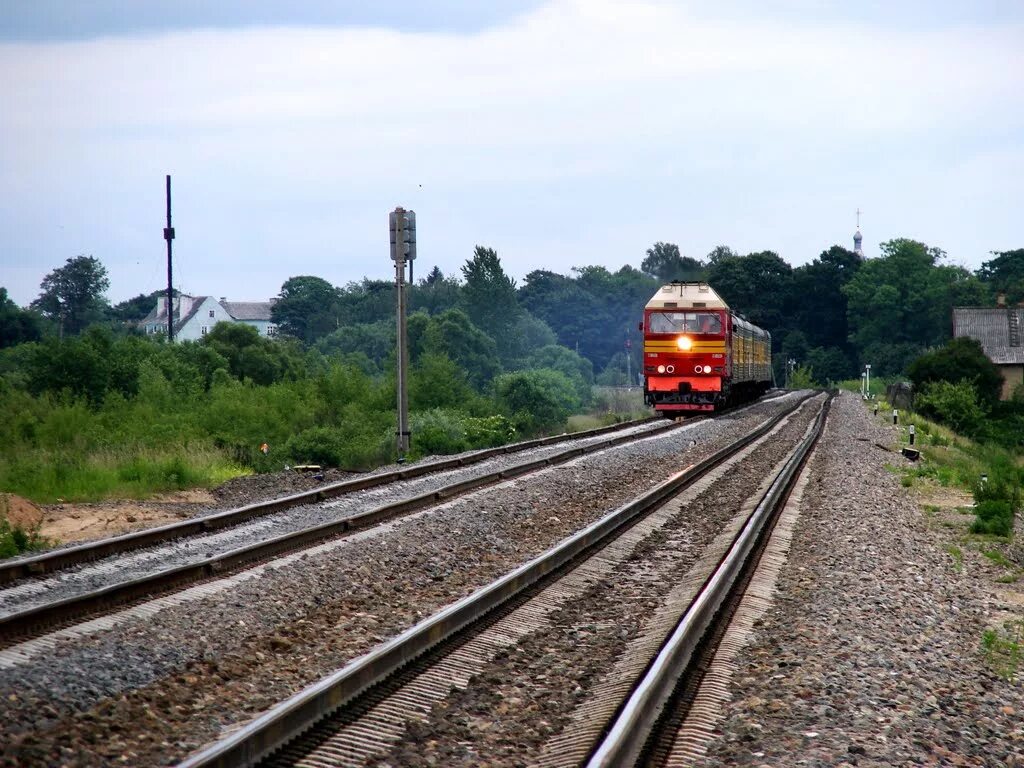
point(89, 406)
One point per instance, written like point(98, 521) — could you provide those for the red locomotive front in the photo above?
point(692, 347)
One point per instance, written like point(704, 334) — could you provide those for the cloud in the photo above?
point(298, 140)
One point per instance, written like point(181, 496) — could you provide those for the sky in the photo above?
point(561, 133)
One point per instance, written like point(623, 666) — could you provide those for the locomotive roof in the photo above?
point(686, 296)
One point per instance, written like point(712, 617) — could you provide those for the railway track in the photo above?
point(366, 706)
point(63, 586)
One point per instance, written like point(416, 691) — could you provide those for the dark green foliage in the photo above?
point(437, 382)
point(1004, 274)
point(17, 326)
point(961, 359)
point(306, 308)
point(665, 263)
point(375, 340)
point(820, 304)
point(434, 294)
point(953, 404)
point(758, 286)
point(15, 540)
point(993, 517)
point(73, 295)
point(252, 357)
point(453, 335)
point(535, 401)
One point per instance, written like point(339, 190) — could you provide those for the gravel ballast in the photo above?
point(871, 653)
point(150, 691)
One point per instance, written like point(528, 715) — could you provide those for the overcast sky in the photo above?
point(561, 133)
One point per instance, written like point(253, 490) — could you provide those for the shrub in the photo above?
point(993, 517)
point(953, 404)
point(536, 400)
point(438, 431)
point(319, 445)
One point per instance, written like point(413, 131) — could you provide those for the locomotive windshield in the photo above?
point(685, 322)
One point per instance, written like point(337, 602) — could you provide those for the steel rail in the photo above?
point(631, 729)
point(291, 718)
point(38, 618)
point(14, 569)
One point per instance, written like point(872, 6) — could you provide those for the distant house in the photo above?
point(195, 316)
point(999, 331)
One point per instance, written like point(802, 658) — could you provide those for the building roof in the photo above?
point(158, 315)
point(248, 310)
point(998, 330)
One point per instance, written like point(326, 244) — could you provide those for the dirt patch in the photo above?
point(19, 512)
point(79, 522)
point(69, 522)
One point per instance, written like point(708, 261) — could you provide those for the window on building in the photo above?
point(271, 330)
point(203, 331)
point(211, 313)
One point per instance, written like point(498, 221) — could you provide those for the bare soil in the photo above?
point(71, 522)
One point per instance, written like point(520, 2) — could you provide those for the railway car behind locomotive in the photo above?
point(698, 355)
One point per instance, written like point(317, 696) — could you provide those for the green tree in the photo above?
point(577, 369)
point(901, 299)
point(759, 286)
point(435, 293)
point(820, 305)
point(961, 359)
point(539, 400)
point(16, 325)
point(437, 382)
point(453, 335)
point(306, 308)
point(489, 295)
point(376, 340)
point(1005, 274)
point(665, 263)
point(73, 295)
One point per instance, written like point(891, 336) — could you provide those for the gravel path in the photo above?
point(139, 563)
point(150, 691)
point(871, 654)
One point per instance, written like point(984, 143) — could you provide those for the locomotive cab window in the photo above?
point(685, 322)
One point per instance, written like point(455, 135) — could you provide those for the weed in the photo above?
point(997, 557)
point(1004, 648)
point(958, 557)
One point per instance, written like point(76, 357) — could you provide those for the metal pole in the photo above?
point(402, 361)
point(867, 378)
point(169, 236)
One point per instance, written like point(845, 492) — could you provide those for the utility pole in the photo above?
point(629, 372)
point(403, 247)
point(867, 381)
point(169, 236)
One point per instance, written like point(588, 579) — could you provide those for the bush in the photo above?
point(993, 517)
point(438, 431)
point(953, 404)
point(537, 400)
point(319, 445)
point(962, 359)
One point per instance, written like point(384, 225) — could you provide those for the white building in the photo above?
point(195, 316)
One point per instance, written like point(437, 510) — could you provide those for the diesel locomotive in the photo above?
point(698, 355)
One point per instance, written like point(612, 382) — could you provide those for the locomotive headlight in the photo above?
point(684, 343)
point(707, 369)
point(661, 369)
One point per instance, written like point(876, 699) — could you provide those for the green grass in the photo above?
point(1003, 648)
point(46, 476)
point(997, 557)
